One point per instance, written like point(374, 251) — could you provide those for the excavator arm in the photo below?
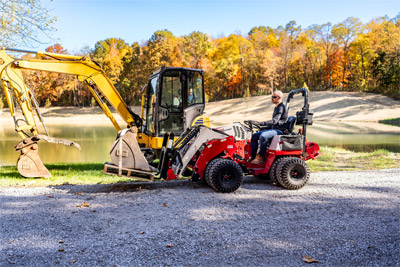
point(17, 93)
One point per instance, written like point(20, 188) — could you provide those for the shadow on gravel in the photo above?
point(377, 189)
point(137, 186)
point(128, 187)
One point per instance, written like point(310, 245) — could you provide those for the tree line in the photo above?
point(349, 56)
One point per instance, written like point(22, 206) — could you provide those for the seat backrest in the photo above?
point(289, 125)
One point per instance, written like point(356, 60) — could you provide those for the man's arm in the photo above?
point(275, 118)
point(265, 123)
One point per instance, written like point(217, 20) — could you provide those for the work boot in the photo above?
point(258, 160)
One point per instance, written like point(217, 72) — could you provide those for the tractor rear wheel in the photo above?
point(273, 171)
point(293, 173)
point(224, 175)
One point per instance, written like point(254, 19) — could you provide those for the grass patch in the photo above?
point(338, 159)
point(394, 122)
point(333, 159)
point(62, 173)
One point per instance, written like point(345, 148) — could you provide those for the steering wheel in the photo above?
point(252, 125)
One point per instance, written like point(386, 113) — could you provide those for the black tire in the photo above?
point(207, 174)
point(272, 171)
point(224, 175)
point(293, 173)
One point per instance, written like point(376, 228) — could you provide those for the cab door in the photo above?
point(171, 105)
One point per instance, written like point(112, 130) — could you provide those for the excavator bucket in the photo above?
point(29, 163)
point(125, 151)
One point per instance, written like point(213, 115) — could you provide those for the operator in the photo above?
point(191, 96)
point(177, 99)
point(274, 127)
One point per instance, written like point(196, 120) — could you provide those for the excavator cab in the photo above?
point(172, 101)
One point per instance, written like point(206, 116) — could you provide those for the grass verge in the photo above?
point(62, 173)
point(333, 159)
point(338, 159)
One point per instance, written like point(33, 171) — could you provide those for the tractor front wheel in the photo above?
point(207, 173)
point(293, 173)
point(224, 175)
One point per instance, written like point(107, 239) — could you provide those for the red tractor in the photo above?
point(221, 156)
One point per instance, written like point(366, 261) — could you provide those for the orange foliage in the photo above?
point(234, 84)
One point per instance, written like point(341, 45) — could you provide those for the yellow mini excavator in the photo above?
point(172, 101)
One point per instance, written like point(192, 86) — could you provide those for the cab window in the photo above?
point(195, 89)
point(171, 92)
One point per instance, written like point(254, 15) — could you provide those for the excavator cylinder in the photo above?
point(125, 151)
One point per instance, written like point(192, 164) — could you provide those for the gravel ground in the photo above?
point(338, 218)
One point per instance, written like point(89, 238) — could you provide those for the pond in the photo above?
point(96, 141)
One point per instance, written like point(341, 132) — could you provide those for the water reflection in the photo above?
point(96, 141)
point(356, 136)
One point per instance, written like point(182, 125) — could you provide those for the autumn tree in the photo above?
point(108, 54)
point(322, 34)
point(344, 33)
point(287, 45)
point(227, 56)
point(133, 76)
point(160, 50)
point(50, 87)
point(264, 66)
point(195, 47)
point(385, 65)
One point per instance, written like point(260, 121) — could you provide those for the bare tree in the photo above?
point(25, 22)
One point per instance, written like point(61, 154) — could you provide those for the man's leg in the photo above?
point(254, 144)
point(264, 139)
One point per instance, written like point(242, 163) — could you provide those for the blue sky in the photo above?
point(84, 22)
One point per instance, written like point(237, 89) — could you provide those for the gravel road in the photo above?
point(338, 218)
